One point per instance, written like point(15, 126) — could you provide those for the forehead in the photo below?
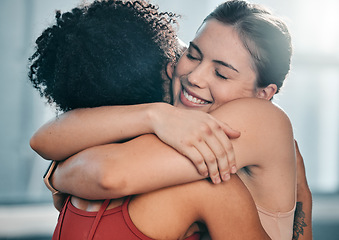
point(219, 41)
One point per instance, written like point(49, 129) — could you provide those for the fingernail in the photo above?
point(227, 177)
point(217, 180)
point(234, 169)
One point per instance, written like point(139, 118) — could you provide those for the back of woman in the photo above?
point(263, 127)
point(264, 152)
point(171, 213)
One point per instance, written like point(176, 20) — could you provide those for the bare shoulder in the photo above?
point(264, 128)
point(266, 147)
point(252, 109)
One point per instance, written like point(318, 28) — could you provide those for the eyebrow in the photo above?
point(196, 48)
point(216, 61)
point(226, 65)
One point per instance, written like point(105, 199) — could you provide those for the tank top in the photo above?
point(113, 224)
point(279, 226)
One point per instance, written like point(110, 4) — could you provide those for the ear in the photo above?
point(267, 92)
point(170, 70)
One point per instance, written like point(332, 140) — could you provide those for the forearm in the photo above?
point(111, 171)
point(79, 129)
point(142, 164)
point(302, 229)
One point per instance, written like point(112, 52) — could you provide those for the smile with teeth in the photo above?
point(193, 99)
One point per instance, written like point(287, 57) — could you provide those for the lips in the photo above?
point(191, 100)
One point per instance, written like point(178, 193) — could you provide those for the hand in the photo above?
point(198, 136)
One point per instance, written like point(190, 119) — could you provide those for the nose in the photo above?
point(198, 76)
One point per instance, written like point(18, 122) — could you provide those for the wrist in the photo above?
point(154, 113)
point(48, 178)
point(303, 192)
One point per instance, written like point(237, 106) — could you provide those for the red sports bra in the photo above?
point(113, 224)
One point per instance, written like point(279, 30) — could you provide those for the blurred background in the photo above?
point(310, 97)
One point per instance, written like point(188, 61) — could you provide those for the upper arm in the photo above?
point(227, 209)
point(266, 132)
point(146, 163)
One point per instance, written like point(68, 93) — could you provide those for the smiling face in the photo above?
point(215, 69)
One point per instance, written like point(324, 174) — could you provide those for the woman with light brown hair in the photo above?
point(223, 72)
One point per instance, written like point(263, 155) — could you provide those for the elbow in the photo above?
point(38, 147)
point(45, 150)
point(33, 143)
point(113, 184)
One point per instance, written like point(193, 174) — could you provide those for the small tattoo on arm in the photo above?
point(299, 221)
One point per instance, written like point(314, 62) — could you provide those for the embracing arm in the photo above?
point(140, 165)
point(302, 229)
point(79, 129)
point(145, 163)
point(202, 138)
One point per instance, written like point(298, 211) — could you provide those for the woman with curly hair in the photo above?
point(115, 53)
point(225, 61)
point(80, 60)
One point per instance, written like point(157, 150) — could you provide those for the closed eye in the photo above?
point(220, 75)
point(189, 56)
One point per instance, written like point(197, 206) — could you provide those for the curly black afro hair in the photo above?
point(107, 53)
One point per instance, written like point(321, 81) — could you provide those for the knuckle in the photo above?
point(186, 142)
point(229, 146)
point(216, 126)
point(231, 159)
point(214, 175)
point(203, 170)
point(205, 128)
point(221, 154)
point(210, 158)
point(226, 169)
point(199, 161)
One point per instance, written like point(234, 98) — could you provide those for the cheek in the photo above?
point(184, 66)
point(225, 92)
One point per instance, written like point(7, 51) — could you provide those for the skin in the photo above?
point(193, 77)
point(206, 78)
point(302, 228)
point(210, 75)
point(163, 159)
point(231, 196)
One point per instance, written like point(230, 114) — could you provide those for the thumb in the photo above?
point(230, 132)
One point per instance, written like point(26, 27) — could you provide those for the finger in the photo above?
point(197, 159)
point(230, 132)
point(228, 146)
point(230, 154)
point(222, 147)
point(210, 160)
point(224, 151)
